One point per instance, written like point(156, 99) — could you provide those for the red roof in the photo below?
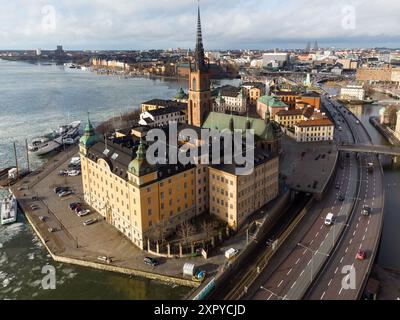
point(324, 122)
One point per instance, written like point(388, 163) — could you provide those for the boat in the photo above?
point(10, 176)
point(8, 210)
point(66, 134)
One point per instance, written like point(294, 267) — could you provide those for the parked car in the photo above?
point(59, 189)
point(341, 198)
point(73, 205)
point(229, 254)
point(104, 259)
point(337, 186)
point(361, 255)
point(150, 261)
point(65, 194)
point(83, 213)
point(63, 173)
point(74, 173)
point(89, 222)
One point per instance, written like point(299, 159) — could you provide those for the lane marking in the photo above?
point(270, 296)
point(297, 261)
point(330, 282)
point(347, 249)
point(363, 238)
point(322, 295)
point(304, 252)
point(302, 273)
point(294, 283)
point(354, 233)
point(341, 260)
point(280, 283)
point(351, 240)
point(317, 234)
point(289, 272)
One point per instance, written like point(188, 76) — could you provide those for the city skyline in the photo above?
point(254, 24)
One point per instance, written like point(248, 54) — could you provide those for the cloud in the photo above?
point(140, 24)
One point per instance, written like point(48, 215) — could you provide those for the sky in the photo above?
point(227, 24)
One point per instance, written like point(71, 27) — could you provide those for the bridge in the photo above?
point(370, 148)
point(387, 102)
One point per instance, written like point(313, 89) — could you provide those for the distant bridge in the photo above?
point(370, 148)
point(387, 102)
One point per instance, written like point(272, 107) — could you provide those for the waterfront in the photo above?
point(35, 100)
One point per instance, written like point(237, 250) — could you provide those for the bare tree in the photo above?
point(185, 231)
point(159, 233)
point(207, 227)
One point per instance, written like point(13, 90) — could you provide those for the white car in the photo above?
point(74, 173)
point(83, 213)
point(65, 193)
point(89, 222)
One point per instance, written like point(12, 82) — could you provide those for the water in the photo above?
point(35, 100)
point(389, 250)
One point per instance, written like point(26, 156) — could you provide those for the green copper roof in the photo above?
point(221, 121)
point(89, 137)
point(181, 95)
point(272, 101)
point(139, 166)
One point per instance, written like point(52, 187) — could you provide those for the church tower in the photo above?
point(199, 103)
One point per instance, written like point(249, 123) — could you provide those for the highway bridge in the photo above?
point(371, 149)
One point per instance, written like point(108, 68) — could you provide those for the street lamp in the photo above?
point(312, 258)
point(272, 293)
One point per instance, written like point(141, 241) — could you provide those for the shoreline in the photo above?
point(63, 246)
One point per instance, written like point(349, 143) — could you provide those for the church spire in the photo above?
point(200, 63)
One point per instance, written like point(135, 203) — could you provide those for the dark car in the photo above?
point(341, 198)
point(337, 186)
point(59, 189)
point(74, 205)
point(150, 261)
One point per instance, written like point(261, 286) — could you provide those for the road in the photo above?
point(361, 233)
point(291, 279)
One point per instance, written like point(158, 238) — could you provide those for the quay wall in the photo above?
point(111, 268)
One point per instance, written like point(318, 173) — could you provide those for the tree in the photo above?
point(207, 227)
point(185, 231)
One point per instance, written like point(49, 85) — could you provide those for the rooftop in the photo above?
point(324, 122)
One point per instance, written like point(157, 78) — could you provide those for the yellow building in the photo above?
point(288, 118)
point(155, 104)
point(233, 198)
point(132, 195)
point(253, 91)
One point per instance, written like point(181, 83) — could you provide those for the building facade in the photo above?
point(234, 198)
point(353, 93)
point(314, 130)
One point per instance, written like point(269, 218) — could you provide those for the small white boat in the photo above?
point(8, 210)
